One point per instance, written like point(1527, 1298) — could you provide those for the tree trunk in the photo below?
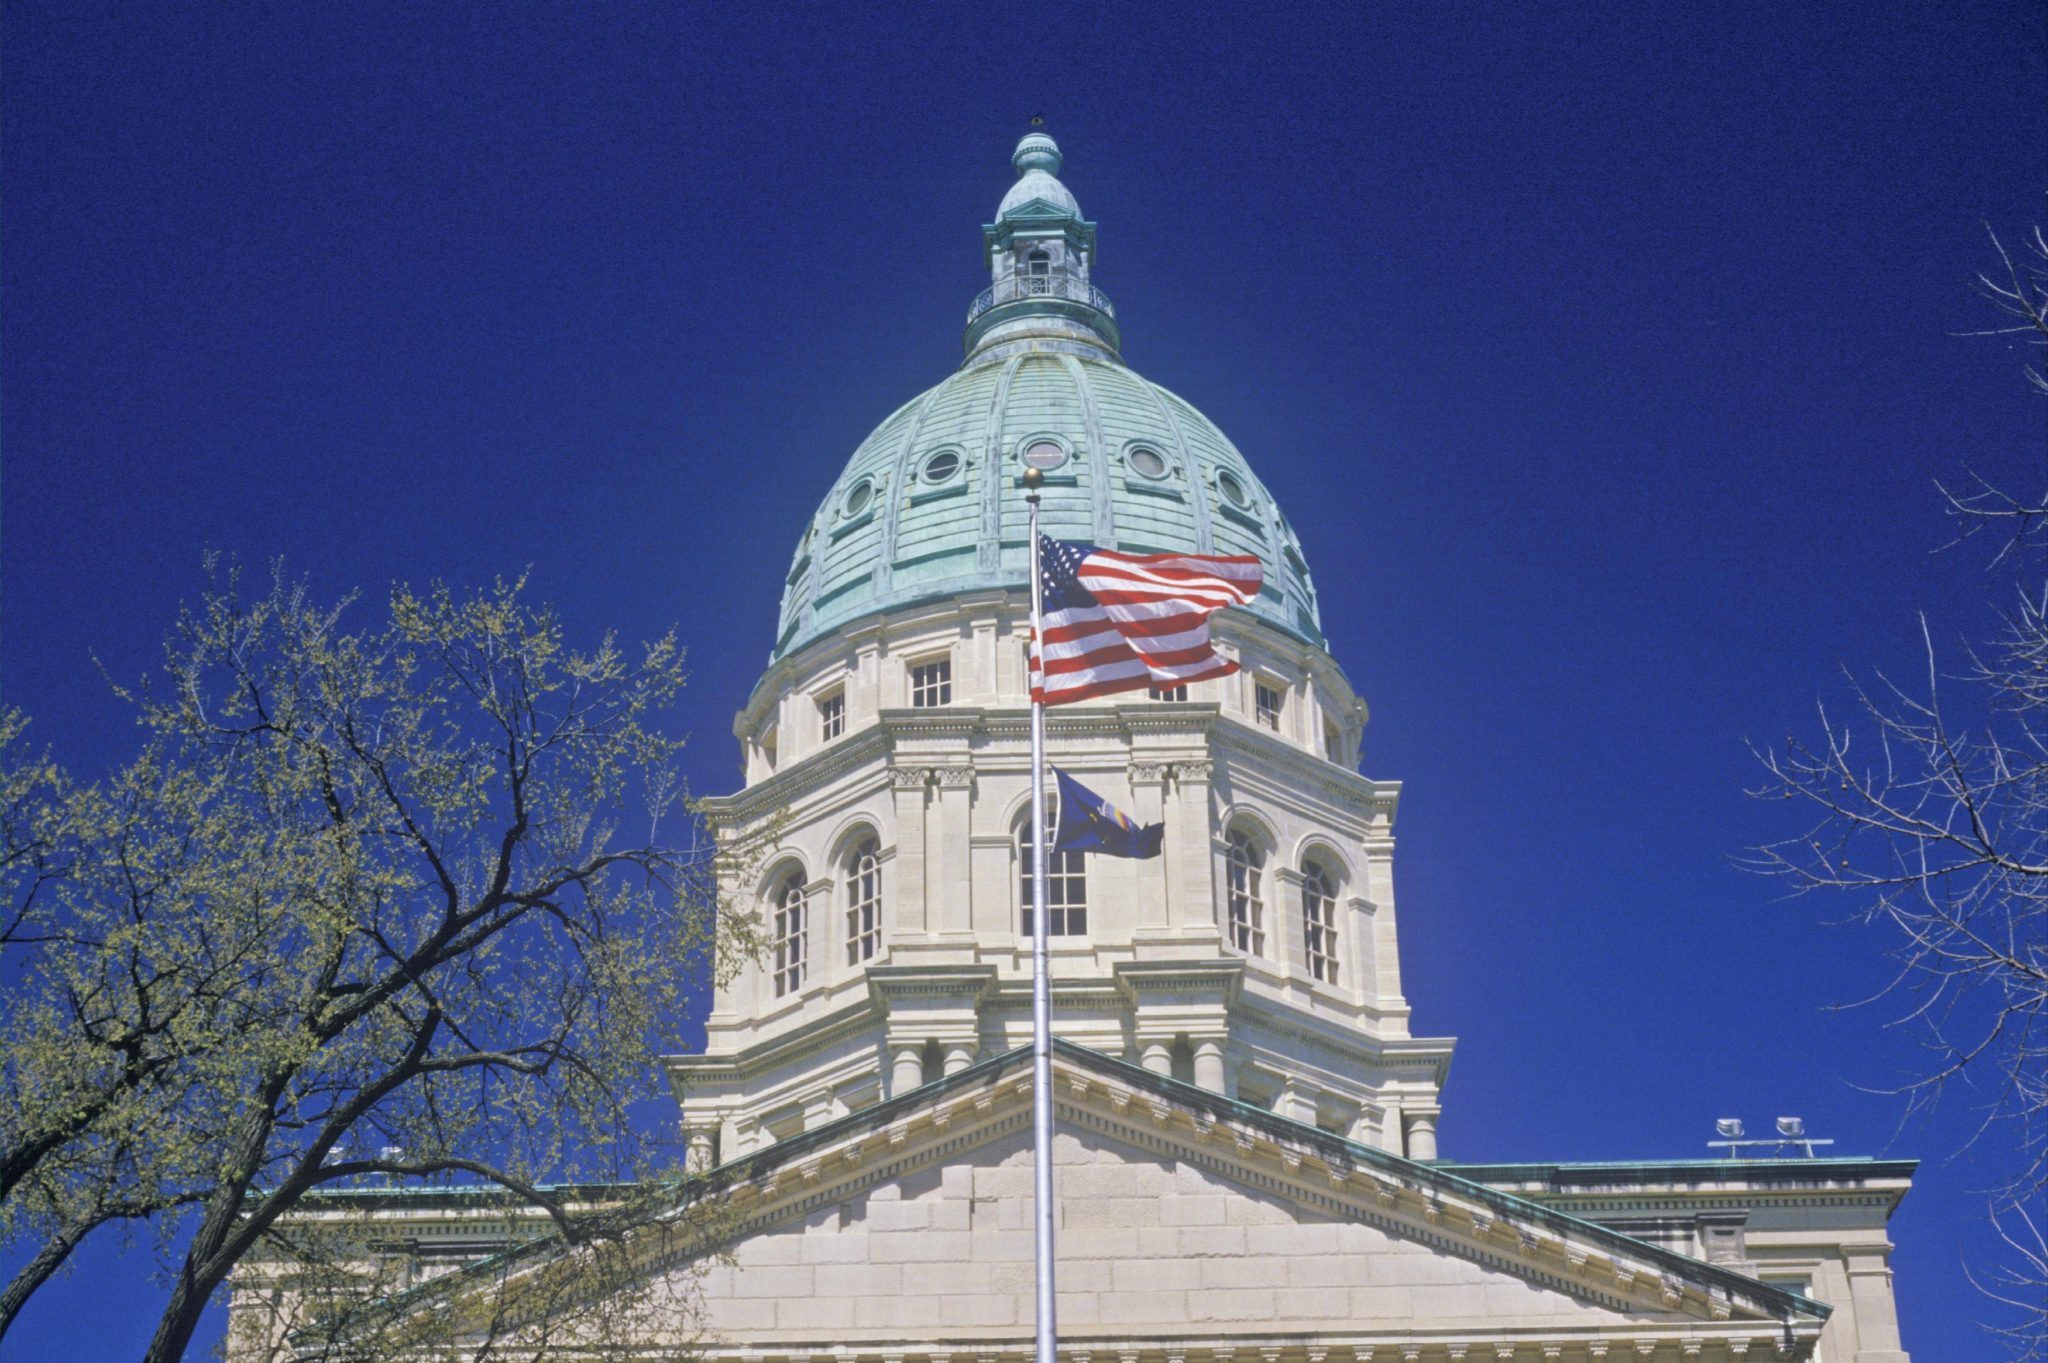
point(37, 1271)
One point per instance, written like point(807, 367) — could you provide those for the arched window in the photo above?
point(789, 963)
point(1066, 881)
point(864, 902)
point(1319, 922)
point(1247, 905)
point(1038, 263)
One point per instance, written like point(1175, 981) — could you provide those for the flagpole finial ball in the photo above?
point(1033, 480)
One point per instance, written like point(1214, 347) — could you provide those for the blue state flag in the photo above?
point(1088, 823)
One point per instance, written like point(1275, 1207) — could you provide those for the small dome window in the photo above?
point(1148, 462)
point(1232, 490)
point(1038, 263)
point(858, 496)
point(1044, 455)
point(941, 467)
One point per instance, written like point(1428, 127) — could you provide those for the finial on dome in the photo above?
point(1036, 151)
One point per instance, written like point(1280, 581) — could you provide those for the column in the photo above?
point(906, 1069)
point(1209, 1073)
point(1421, 1135)
point(958, 1057)
point(1157, 1057)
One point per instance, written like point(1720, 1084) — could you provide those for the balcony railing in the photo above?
point(1019, 287)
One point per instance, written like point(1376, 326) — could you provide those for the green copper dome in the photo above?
point(930, 505)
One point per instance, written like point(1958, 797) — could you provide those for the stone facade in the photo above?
point(941, 796)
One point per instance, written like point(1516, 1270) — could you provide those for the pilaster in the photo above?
point(1148, 799)
point(907, 792)
point(1877, 1316)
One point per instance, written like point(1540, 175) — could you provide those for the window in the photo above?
point(1169, 692)
point(1038, 263)
point(789, 963)
point(831, 715)
point(1232, 490)
point(1247, 910)
point(858, 497)
point(941, 466)
point(1148, 462)
point(1333, 743)
point(931, 683)
point(864, 902)
point(1044, 455)
point(1066, 882)
point(1319, 922)
point(1266, 705)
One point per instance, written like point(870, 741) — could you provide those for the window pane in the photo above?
point(864, 904)
point(1319, 923)
point(1066, 883)
point(789, 964)
point(1246, 908)
point(1267, 705)
point(932, 683)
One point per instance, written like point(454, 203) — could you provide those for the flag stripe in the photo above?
point(1122, 622)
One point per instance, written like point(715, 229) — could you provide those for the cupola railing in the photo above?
point(1019, 287)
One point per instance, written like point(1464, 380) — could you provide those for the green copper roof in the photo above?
point(930, 505)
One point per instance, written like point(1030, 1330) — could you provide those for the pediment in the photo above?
point(1181, 1216)
point(1038, 210)
point(1187, 1223)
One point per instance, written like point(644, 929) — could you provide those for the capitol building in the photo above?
point(1247, 1148)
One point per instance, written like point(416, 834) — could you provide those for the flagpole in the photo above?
point(1041, 971)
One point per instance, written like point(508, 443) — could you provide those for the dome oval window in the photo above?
point(1150, 463)
point(858, 497)
point(942, 466)
point(1044, 455)
point(1232, 490)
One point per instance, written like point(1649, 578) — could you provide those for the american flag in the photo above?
point(1123, 622)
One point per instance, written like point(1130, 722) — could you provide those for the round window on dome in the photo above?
point(857, 498)
point(1148, 462)
point(942, 466)
point(1044, 455)
point(1232, 490)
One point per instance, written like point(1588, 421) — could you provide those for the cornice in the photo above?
point(1344, 1044)
point(782, 1048)
point(1379, 800)
point(801, 778)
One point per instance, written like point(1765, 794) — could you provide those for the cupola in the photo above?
point(1040, 252)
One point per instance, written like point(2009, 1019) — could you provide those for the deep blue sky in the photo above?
point(1603, 361)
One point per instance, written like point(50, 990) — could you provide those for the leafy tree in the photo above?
point(363, 908)
point(1930, 806)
